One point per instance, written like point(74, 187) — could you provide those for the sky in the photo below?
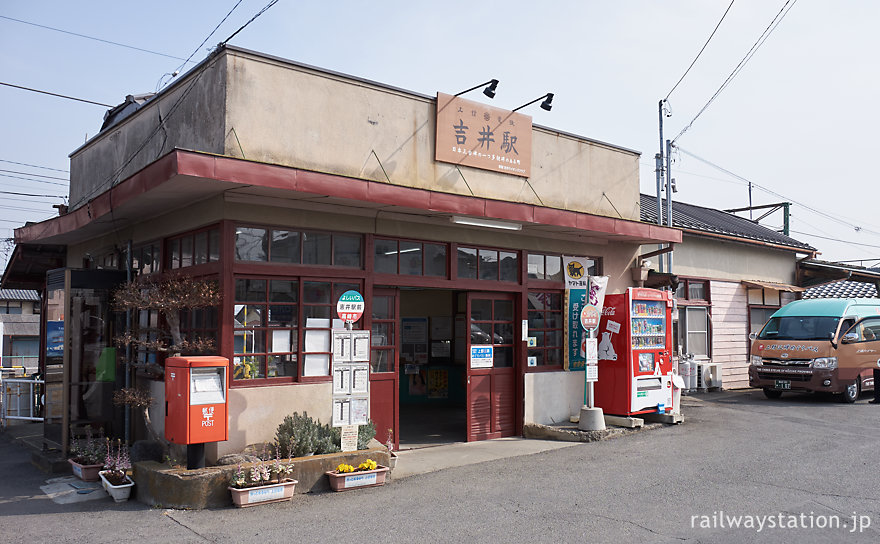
point(799, 119)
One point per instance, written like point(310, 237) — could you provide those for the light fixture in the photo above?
point(489, 91)
point(546, 105)
point(489, 223)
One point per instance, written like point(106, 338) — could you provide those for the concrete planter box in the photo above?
point(163, 487)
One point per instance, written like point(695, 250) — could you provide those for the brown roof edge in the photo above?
point(240, 171)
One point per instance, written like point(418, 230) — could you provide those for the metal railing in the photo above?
point(28, 362)
point(20, 399)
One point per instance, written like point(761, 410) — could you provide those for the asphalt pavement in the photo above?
point(799, 469)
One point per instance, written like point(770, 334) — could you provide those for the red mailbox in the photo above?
point(196, 391)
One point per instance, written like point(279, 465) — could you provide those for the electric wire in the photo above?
point(56, 94)
point(30, 194)
point(92, 38)
point(118, 172)
point(761, 39)
point(208, 37)
point(700, 53)
point(269, 5)
point(32, 174)
point(35, 180)
point(34, 166)
point(835, 218)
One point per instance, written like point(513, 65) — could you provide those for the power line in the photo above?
point(269, 5)
point(761, 39)
point(56, 94)
point(836, 240)
point(835, 218)
point(31, 194)
point(34, 166)
point(30, 174)
point(701, 51)
point(171, 111)
point(93, 38)
point(35, 180)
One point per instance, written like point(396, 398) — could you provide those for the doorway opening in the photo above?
point(432, 372)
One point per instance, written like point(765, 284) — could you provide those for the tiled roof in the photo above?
point(19, 294)
point(842, 289)
point(688, 216)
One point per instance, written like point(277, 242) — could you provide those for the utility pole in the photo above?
point(659, 161)
point(669, 198)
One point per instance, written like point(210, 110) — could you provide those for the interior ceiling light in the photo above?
point(489, 223)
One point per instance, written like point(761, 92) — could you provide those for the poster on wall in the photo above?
point(438, 383)
point(54, 338)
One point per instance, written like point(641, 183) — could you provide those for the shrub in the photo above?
point(300, 435)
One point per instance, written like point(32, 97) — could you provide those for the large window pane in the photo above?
point(411, 258)
point(503, 310)
point(214, 245)
point(200, 253)
point(316, 292)
point(283, 291)
point(250, 290)
point(509, 266)
point(285, 246)
point(488, 264)
point(282, 316)
point(535, 266)
point(696, 290)
point(467, 263)
point(282, 365)
point(316, 248)
point(383, 307)
point(553, 268)
point(250, 244)
point(186, 251)
point(481, 309)
point(347, 251)
point(385, 256)
point(435, 260)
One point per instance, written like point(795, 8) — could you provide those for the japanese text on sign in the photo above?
point(481, 136)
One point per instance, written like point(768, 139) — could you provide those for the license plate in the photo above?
point(783, 384)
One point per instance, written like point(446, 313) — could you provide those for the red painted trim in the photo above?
point(230, 170)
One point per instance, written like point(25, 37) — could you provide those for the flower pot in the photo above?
point(264, 494)
point(353, 480)
point(120, 493)
point(86, 473)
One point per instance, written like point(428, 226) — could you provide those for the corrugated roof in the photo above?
point(19, 294)
point(689, 216)
point(842, 289)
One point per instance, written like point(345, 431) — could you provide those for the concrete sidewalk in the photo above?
point(433, 458)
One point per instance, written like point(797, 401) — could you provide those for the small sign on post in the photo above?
point(349, 437)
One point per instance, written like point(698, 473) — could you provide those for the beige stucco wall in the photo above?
point(726, 260)
point(552, 397)
point(192, 112)
point(243, 105)
point(256, 412)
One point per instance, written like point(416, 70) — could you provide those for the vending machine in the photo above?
point(635, 349)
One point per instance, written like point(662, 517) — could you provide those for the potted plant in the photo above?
point(367, 474)
point(87, 456)
point(265, 482)
point(115, 476)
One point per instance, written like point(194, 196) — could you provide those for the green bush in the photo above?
point(300, 435)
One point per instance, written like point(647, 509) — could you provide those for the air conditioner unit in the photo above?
point(709, 376)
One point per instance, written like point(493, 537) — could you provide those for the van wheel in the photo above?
point(772, 393)
point(851, 393)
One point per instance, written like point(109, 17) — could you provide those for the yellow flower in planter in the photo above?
point(343, 468)
point(369, 464)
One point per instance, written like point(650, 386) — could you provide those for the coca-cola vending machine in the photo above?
point(635, 363)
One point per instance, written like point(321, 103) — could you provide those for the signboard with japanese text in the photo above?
point(350, 369)
point(473, 134)
point(350, 306)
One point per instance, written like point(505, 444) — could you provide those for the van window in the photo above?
point(799, 328)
